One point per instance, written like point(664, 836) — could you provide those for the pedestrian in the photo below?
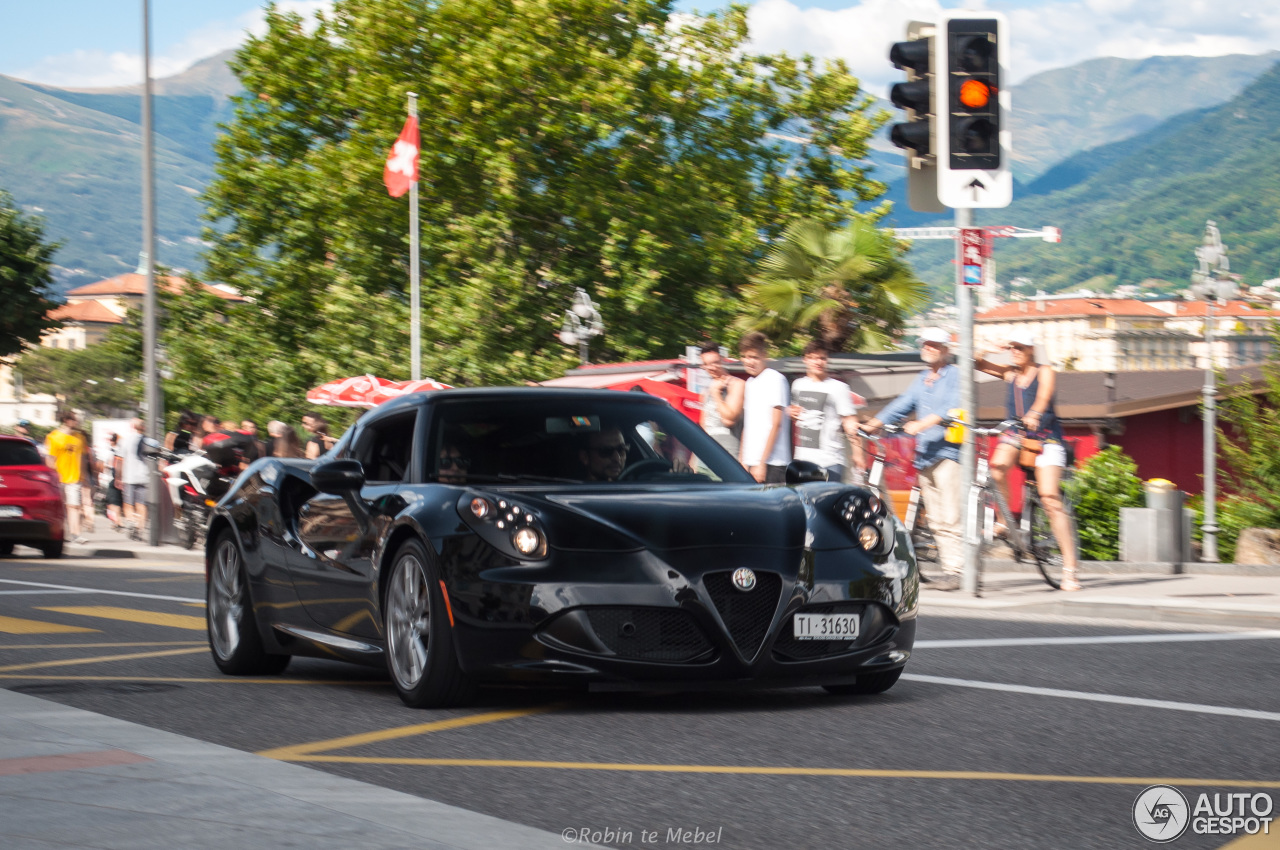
point(134, 473)
point(932, 396)
point(1031, 401)
point(23, 429)
point(765, 449)
point(209, 424)
point(110, 481)
point(180, 439)
point(319, 442)
point(823, 410)
point(89, 468)
point(284, 440)
point(722, 401)
point(65, 449)
point(258, 448)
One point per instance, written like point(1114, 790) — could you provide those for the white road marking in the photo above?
point(42, 592)
point(100, 590)
point(1167, 705)
point(1094, 639)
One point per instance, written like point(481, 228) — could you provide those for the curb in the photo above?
point(1000, 565)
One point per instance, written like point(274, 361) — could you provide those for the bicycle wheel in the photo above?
point(1044, 543)
point(926, 549)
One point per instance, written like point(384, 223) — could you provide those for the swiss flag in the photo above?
point(402, 163)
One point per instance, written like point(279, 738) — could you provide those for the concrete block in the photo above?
point(1152, 535)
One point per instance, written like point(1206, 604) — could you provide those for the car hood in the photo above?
point(695, 518)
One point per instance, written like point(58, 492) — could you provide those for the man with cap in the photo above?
point(931, 397)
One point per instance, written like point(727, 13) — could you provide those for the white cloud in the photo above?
point(105, 69)
point(1053, 34)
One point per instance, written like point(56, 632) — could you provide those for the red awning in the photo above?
point(683, 400)
point(368, 391)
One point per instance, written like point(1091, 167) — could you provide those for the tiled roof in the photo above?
point(1069, 307)
point(1238, 309)
point(136, 284)
point(85, 311)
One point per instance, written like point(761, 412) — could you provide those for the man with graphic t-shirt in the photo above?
point(766, 448)
point(822, 408)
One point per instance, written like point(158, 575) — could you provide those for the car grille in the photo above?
point(649, 634)
point(747, 614)
point(788, 648)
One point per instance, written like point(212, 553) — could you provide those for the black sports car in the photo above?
point(536, 535)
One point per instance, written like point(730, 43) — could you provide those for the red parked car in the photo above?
point(32, 511)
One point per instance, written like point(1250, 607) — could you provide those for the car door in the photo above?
point(334, 573)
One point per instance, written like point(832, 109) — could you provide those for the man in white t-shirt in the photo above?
point(133, 478)
point(766, 445)
point(823, 410)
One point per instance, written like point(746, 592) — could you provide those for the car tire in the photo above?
point(233, 631)
point(422, 658)
point(52, 550)
point(6, 549)
point(867, 683)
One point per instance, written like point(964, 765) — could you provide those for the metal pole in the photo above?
point(1209, 528)
point(415, 282)
point(968, 402)
point(154, 413)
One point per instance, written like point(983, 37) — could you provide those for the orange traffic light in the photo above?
point(975, 94)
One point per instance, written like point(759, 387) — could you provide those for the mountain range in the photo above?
point(1128, 156)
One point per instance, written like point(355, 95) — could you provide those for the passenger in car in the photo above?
point(453, 464)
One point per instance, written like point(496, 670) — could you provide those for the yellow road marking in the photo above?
point(1261, 841)
point(19, 626)
point(221, 680)
point(102, 645)
point(791, 771)
point(135, 615)
point(65, 662)
point(300, 752)
point(194, 604)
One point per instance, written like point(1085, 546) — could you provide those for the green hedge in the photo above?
point(1106, 482)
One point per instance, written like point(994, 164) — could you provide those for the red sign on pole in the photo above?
point(973, 247)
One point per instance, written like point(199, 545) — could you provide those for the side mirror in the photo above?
point(804, 471)
point(338, 477)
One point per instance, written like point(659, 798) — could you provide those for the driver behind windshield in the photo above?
point(605, 454)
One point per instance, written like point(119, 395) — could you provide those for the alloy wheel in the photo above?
point(408, 622)
point(226, 600)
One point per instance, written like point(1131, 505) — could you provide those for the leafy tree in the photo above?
point(1106, 482)
point(565, 143)
point(25, 259)
point(104, 379)
point(847, 286)
point(1249, 437)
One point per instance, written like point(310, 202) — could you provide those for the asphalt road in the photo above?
point(993, 743)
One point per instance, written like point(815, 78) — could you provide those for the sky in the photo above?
point(97, 43)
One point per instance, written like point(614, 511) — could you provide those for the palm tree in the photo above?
point(849, 287)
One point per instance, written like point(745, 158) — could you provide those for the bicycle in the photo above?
point(1030, 536)
point(922, 539)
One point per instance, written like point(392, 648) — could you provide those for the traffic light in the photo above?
point(972, 137)
point(916, 135)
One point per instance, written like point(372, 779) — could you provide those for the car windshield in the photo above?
point(564, 440)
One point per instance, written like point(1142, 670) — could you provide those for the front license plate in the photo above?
point(825, 626)
point(10, 511)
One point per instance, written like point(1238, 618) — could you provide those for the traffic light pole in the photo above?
point(968, 403)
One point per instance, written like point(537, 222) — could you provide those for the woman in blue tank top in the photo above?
point(1031, 401)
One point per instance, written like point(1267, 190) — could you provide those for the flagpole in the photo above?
point(415, 297)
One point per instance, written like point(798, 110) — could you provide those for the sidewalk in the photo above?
point(1208, 599)
point(72, 778)
point(105, 542)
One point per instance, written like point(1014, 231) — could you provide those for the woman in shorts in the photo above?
point(1030, 400)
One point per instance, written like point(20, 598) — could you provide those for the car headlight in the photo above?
point(869, 537)
point(867, 518)
point(510, 527)
point(528, 541)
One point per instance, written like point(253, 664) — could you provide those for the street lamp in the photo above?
point(1208, 281)
point(582, 322)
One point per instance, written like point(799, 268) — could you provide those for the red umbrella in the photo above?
point(683, 400)
point(367, 391)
